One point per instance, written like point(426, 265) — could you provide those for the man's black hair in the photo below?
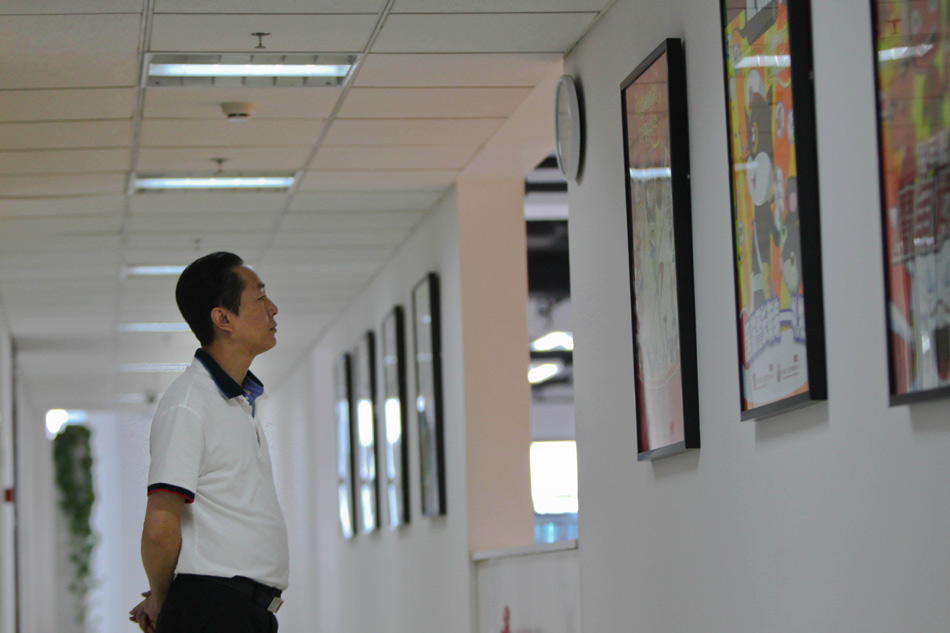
point(208, 283)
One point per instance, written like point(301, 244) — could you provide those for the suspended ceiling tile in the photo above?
point(62, 105)
point(404, 71)
point(497, 6)
point(432, 103)
point(185, 242)
point(286, 271)
point(328, 256)
point(288, 33)
point(59, 7)
point(69, 225)
point(64, 161)
point(198, 222)
point(61, 206)
point(482, 33)
point(353, 221)
point(364, 201)
point(339, 238)
point(270, 103)
point(66, 135)
point(412, 132)
point(241, 159)
point(53, 258)
point(394, 157)
point(393, 180)
point(12, 272)
point(223, 133)
point(206, 202)
point(64, 184)
point(273, 6)
point(64, 51)
point(55, 245)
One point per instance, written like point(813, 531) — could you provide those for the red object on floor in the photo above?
point(8, 495)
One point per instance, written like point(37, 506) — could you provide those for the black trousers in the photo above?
point(198, 605)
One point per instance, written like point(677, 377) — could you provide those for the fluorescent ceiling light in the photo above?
point(153, 327)
point(903, 52)
point(151, 271)
point(132, 398)
point(765, 61)
point(215, 182)
point(152, 368)
point(247, 70)
point(540, 373)
point(561, 341)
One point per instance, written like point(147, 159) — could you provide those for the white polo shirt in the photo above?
point(208, 446)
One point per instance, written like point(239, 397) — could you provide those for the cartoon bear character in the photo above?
point(760, 180)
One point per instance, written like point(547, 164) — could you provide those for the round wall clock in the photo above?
point(567, 127)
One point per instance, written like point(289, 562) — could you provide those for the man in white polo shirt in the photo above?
point(214, 542)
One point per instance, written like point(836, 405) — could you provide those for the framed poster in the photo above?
point(344, 442)
point(659, 236)
point(364, 399)
point(394, 417)
point(773, 173)
point(913, 97)
point(427, 358)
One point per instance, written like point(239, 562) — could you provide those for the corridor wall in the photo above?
point(830, 518)
point(7, 514)
point(414, 579)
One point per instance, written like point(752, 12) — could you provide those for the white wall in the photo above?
point(415, 579)
point(830, 518)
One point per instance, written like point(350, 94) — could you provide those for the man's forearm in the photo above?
point(160, 557)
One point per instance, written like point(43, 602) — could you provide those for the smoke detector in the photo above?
point(237, 110)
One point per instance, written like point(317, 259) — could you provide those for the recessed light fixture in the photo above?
point(57, 419)
point(153, 271)
point(253, 71)
point(560, 341)
point(151, 183)
point(153, 327)
point(152, 368)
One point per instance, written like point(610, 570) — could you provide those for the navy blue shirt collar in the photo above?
point(252, 387)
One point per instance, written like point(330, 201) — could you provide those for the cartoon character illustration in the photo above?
point(760, 181)
point(791, 239)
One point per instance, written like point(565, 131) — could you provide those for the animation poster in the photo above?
point(764, 169)
point(658, 369)
point(913, 60)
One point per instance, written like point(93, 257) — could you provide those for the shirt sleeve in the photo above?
point(176, 444)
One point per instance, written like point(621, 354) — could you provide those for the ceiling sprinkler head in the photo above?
point(237, 110)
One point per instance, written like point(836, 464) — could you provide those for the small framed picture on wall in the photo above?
point(427, 359)
point(344, 442)
point(364, 399)
point(773, 175)
point(912, 50)
point(394, 417)
point(659, 234)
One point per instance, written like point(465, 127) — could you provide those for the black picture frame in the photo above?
point(773, 176)
point(914, 174)
point(660, 253)
point(364, 433)
point(427, 360)
point(395, 417)
point(346, 490)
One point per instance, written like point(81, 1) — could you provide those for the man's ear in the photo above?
point(221, 319)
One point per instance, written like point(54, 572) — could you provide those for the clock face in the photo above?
point(567, 127)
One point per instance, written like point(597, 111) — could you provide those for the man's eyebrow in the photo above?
point(260, 286)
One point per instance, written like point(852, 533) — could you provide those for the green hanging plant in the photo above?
point(72, 460)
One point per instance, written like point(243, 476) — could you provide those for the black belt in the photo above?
point(260, 594)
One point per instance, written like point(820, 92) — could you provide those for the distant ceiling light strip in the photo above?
point(903, 52)
point(540, 373)
point(260, 182)
point(152, 368)
point(153, 327)
point(150, 271)
point(651, 173)
point(765, 61)
point(248, 70)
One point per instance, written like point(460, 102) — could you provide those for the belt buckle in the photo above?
point(275, 604)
